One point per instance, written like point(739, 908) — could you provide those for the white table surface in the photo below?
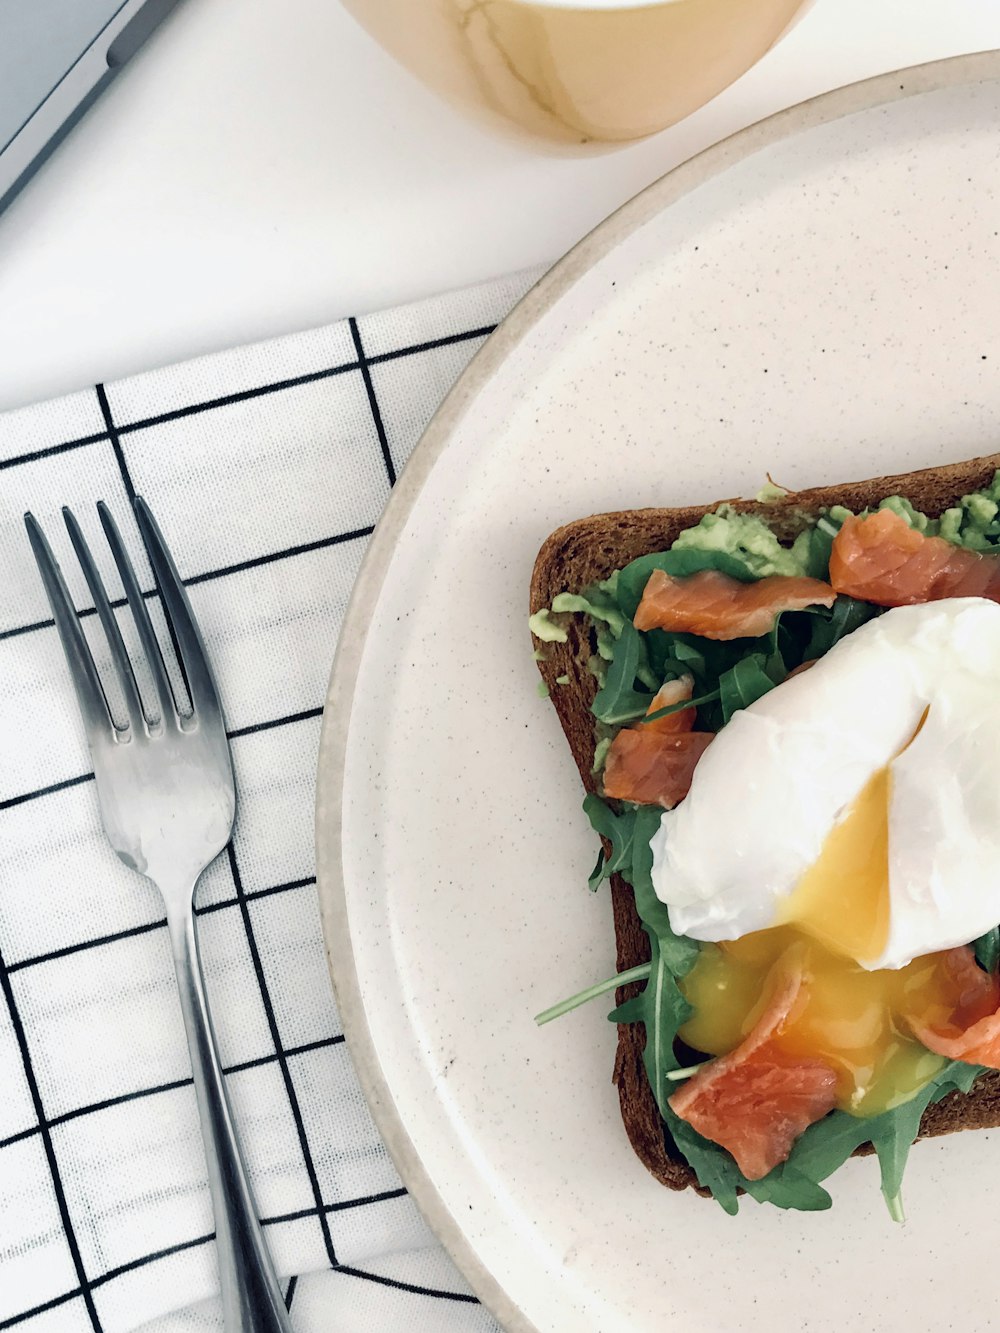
point(263, 167)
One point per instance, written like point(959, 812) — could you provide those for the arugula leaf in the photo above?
point(598, 875)
point(743, 684)
point(603, 819)
point(669, 709)
point(892, 1143)
point(678, 564)
point(639, 973)
point(646, 821)
point(987, 949)
point(678, 951)
point(831, 625)
point(785, 1187)
point(662, 663)
point(618, 700)
point(706, 661)
point(630, 833)
point(735, 667)
point(619, 831)
point(661, 1008)
point(713, 1166)
point(826, 1145)
point(691, 653)
point(774, 663)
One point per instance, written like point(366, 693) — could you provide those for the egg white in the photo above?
point(783, 771)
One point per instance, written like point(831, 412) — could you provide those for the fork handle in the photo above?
point(251, 1299)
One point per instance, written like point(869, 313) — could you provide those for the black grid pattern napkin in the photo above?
point(267, 468)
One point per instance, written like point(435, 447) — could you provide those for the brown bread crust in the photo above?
point(590, 549)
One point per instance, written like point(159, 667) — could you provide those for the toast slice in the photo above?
point(590, 549)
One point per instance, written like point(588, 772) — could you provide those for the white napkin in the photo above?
point(267, 468)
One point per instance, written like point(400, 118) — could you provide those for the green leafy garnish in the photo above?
point(673, 655)
point(830, 625)
point(743, 684)
point(812, 547)
point(679, 707)
point(630, 833)
point(620, 831)
point(660, 1005)
point(827, 1144)
point(618, 701)
point(661, 1008)
point(987, 950)
point(639, 973)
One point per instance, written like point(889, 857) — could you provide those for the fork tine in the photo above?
point(140, 614)
point(89, 691)
point(187, 636)
point(119, 654)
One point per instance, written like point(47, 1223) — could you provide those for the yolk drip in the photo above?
point(843, 898)
point(848, 1017)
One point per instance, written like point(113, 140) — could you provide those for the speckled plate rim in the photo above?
point(897, 85)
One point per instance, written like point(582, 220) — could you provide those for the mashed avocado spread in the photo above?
point(748, 538)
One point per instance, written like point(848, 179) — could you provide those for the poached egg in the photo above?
point(859, 800)
point(852, 815)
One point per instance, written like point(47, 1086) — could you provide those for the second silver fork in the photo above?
point(167, 798)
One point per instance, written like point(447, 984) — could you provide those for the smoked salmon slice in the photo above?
point(881, 559)
point(757, 1100)
point(969, 1029)
point(673, 692)
point(719, 607)
point(653, 767)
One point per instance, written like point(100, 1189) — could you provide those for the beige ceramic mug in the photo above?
point(578, 71)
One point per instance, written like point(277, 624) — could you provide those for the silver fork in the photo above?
point(167, 798)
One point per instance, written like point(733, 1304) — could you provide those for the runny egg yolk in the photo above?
point(848, 1017)
point(842, 900)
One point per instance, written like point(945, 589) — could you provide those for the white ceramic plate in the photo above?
point(817, 297)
